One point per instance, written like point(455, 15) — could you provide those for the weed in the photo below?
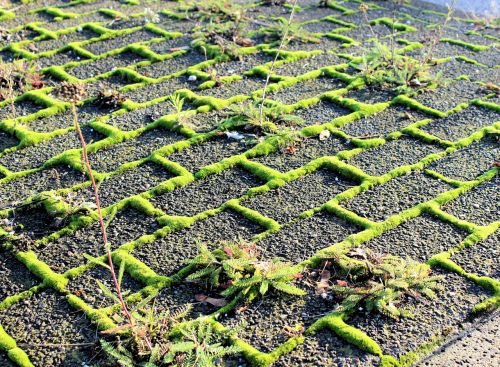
point(382, 68)
point(289, 32)
point(380, 282)
point(74, 93)
point(227, 36)
point(15, 79)
point(216, 11)
point(109, 99)
point(237, 268)
point(166, 339)
point(263, 122)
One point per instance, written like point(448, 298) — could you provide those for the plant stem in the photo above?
point(99, 214)
point(282, 43)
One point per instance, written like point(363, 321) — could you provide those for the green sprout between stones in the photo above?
point(380, 282)
point(165, 338)
point(237, 268)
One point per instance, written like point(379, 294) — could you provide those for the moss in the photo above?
point(335, 322)
point(470, 46)
point(42, 270)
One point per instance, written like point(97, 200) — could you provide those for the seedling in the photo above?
point(160, 339)
point(380, 282)
point(216, 11)
point(289, 32)
point(238, 269)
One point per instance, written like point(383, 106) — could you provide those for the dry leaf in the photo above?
point(324, 282)
point(217, 302)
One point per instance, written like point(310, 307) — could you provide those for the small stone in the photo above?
point(192, 78)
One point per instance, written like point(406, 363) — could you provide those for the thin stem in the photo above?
point(99, 214)
point(282, 43)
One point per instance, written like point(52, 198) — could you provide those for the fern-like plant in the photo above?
point(380, 282)
point(238, 269)
point(228, 263)
point(264, 276)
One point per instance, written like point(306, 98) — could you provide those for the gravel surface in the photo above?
point(391, 119)
point(57, 177)
point(16, 278)
point(482, 258)
point(207, 193)
point(302, 239)
point(183, 244)
point(306, 151)
point(469, 162)
point(461, 124)
point(479, 205)
point(67, 251)
point(307, 192)
point(394, 153)
point(109, 159)
point(400, 193)
point(36, 155)
point(418, 238)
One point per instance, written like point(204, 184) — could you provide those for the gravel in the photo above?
point(183, 244)
point(418, 238)
point(394, 153)
point(307, 192)
point(207, 193)
point(307, 150)
point(479, 205)
point(399, 194)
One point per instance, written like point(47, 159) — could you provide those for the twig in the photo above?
point(99, 213)
point(282, 43)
